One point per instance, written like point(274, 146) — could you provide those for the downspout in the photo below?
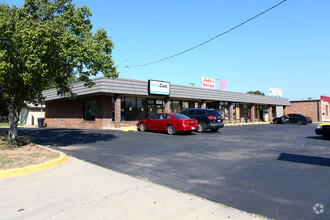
point(318, 111)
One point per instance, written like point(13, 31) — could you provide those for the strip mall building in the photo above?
point(318, 109)
point(122, 102)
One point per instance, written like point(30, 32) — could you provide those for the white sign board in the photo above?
point(275, 92)
point(158, 87)
point(208, 83)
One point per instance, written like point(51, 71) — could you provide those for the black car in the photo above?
point(293, 118)
point(207, 118)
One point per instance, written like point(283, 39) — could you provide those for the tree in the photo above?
point(46, 43)
point(257, 92)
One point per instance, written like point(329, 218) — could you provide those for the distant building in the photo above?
point(318, 109)
point(31, 113)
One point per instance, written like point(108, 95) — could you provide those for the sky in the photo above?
point(287, 48)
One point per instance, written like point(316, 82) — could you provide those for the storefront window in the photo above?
point(185, 105)
point(259, 113)
point(236, 111)
point(128, 109)
point(175, 106)
point(132, 109)
point(90, 107)
point(224, 110)
point(212, 105)
point(141, 109)
point(159, 106)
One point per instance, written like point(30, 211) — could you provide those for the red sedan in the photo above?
point(171, 123)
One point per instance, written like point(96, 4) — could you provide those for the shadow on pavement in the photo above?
point(305, 159)
point(58, 137)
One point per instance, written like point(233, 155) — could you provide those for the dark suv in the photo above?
point(207, 118)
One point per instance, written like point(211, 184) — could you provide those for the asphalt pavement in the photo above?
point(81, 190)
point(276, 171)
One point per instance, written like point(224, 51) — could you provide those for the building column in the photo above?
point(231, 113)
point(167, 105)
point(270, 113)
point(284, 110)
point(106, 111)
point(253, 110)
point(203, 104)
point(242, 109)
point(117, 111)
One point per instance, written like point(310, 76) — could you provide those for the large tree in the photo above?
point(43, 44)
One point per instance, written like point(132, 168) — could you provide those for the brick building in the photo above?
point(318, 109)
point(123, 102)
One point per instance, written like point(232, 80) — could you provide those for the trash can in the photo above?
point(41, 122)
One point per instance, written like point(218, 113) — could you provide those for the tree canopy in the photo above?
point(257, 92)
point(46, 44)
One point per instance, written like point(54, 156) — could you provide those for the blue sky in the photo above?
point(286, 48)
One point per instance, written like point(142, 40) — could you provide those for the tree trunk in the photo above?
point(13, 121)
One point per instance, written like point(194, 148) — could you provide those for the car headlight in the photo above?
point(319, 127)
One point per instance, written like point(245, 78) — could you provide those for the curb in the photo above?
point(130, 129)
point(18, 171)
point(254, 123)
point(238, 124)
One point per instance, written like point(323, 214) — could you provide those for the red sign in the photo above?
point(208, 83)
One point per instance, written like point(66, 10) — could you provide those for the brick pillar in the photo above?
point(203, 104)
point(284, 110)
point(253, 110)
point(242, 113)
point(106, 111)
point(270, 113)
point(231, 113)
point(167, 105)
point(117, 111)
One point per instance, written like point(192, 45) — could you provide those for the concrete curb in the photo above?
point(130, 129)
point(252, 123)
point(18, 171)
point(238, 124)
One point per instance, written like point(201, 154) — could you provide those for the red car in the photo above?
point(169, 122)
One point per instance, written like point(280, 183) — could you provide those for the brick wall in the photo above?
point(308, 108)
point(70, 113)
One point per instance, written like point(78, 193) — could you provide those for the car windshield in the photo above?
point(179, 116)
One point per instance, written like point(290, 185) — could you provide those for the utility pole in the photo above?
point(126, 69)
point(219, 82)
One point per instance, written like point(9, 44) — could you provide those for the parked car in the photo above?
point(323, 129)
point(171, 123)
point(293, 118)
point(207, 118)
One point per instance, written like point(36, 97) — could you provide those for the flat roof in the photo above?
point(124, 87)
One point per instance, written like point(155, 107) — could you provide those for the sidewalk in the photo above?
point(78, 189)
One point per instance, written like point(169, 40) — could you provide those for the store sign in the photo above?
point(223, 84)
point(208, 83)
point(158, 87)
point(275, 92)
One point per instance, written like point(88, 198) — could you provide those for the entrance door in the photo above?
point(151, 110)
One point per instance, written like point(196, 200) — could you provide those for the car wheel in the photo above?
point(201, 127)
point(215, 129)
point(171, 129)
point(327, 137)
point(143, 127)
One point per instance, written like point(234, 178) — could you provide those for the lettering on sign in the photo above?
point(208, 83)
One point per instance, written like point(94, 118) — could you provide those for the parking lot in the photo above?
point(277, 171)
